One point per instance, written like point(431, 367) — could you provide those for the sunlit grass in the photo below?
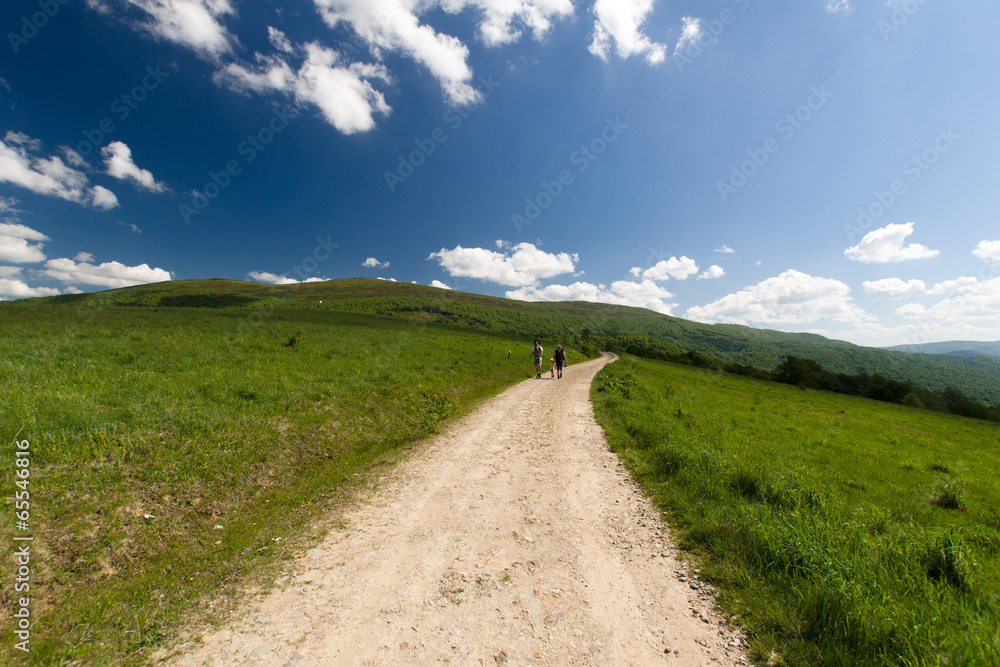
point(842, 531)
point(175, 450)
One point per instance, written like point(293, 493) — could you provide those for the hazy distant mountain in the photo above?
point(957, 348)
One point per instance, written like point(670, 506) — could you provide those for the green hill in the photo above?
point(624, 328)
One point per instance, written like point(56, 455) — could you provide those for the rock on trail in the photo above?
point(514, 537)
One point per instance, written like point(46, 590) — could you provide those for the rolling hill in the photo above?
point(958, 348)
point(620, 327)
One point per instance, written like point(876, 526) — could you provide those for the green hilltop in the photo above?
point(635, 330)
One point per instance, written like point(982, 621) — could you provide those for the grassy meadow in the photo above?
point(841, 531)
point(173, 451)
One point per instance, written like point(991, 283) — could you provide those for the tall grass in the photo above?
point(174, 450)
point(842, 531)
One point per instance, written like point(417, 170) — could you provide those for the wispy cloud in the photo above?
point(19, 165)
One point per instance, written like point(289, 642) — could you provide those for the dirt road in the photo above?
point(515, 537)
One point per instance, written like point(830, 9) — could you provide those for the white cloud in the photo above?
point(392, 25)
point(893, 288)
point(519, 266)
point(690, 34)
point(83, 257)
point(344, 93)
point(272, 278)
point(10, 271)
point(839, 7)
point(372, 263)
point(725, 250)
point(972, 301)
point(15, 246)
point(8, 207)
point(618, 24)
point(793, 298)
point(106, 274)
point(962, 285)
point(103, 198)
point(988, 250)
point(885, 245)
point(712, 272)
point(279, 40)
point(645, 294)
point(275, 279)
point(194, 24)
point(47, 176)
point(390, 280)
point(73, 157)
point(438, 283)
point(19, 289)
point(118, 161)
point(678, 269)
point(502, 18)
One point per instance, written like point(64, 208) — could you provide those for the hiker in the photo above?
point(536, 352)
point(560, 359)
point(552, 368)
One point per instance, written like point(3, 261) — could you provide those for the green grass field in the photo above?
point(173, 451)
point(841, 531)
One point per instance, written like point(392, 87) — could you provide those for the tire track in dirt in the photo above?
point(514, 537)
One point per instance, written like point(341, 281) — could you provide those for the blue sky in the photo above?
point(824, 166)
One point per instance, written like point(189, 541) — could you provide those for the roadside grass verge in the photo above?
point(841, 531)
point(174, 452)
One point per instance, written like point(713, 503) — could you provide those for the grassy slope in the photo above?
point(843, 531)
point(977, 377)
point(173, 450)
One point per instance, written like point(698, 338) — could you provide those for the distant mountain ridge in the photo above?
point(623, 327)
point(960, 348)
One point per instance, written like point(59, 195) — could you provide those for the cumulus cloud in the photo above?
point(521, 265)
point(10, 271)
point(106, 274)
point(193, 24)
point(644, 294)
point(988, 250)
point(885, 245)
point(712, 272)
point(972, 300)
point(792, 298)
point(725, 250)
point(275, 279)
point(618, 26)
point(678, 269)
point(16, 246)
point(438, 283)
point(47, 176)
point(502, 20)
point(18, 289)
point(343, 92)
point(963, 285)
point(119, 164)
point(893, 288)
point(372, 263)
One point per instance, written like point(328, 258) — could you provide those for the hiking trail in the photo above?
point(513, 537)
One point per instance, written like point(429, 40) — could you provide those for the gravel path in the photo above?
point(514, 537)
